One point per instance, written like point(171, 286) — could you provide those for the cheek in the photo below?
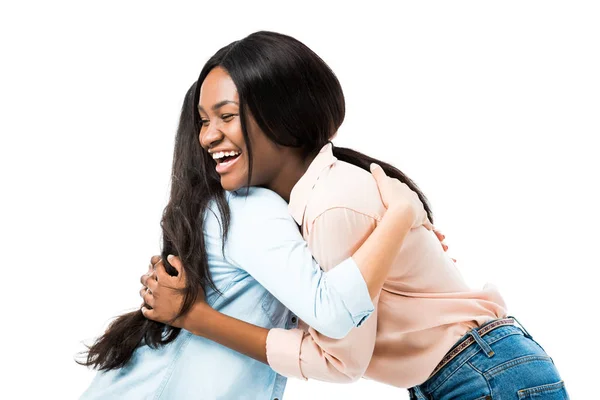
point(265, 157)
point(238, 178)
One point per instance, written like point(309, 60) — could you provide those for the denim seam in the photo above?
point(266, 312)
point(167, 377)
point(487, 382)
point(474, 367)
point(214, 303)
point(466, 360)
point(513, 363)
point(503, 336)
point(552, 387)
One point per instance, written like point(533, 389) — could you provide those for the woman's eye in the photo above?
point(204, 122)
point(227, 117)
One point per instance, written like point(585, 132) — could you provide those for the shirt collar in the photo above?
point(302, 189)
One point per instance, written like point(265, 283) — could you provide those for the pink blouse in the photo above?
point(424, 308)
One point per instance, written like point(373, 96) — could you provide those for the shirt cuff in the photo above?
point(349, 283)
point(283, 351)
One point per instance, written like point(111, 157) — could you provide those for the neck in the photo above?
point(291, 171)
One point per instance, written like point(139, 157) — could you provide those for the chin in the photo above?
point(231, 185)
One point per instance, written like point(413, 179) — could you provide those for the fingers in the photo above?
point(176, 263)
point(428, 225)
point(148, 313)
point(165, 279)
point(154, 260)
point(439, 235)
point(161, 273)
point(378, 173)
point(144, 279)
point(147, 296)
point(153, 285)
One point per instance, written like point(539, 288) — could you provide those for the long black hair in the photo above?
point(297, 101)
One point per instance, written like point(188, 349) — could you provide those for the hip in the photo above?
point(504, 361)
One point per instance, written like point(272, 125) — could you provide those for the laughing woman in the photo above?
point(237, 246)
point(267, 109)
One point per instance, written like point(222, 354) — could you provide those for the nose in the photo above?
point(210, 135)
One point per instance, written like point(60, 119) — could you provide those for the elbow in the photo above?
point(340, 332)
point(335, 328)
point(346, 323)
point(339, 325)
point(357, 370)
point(354, 377)
point(351, 371)
point(343, 378)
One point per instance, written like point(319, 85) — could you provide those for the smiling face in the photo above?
point(221, 135)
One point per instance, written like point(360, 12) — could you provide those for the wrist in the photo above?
point(196, 320)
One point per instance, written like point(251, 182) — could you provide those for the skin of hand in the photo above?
point(387, 186)
point(397, 196)
point(162, 293)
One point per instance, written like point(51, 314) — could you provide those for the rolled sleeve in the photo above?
point(349, 283)
point(264, 240)
point(283, 351)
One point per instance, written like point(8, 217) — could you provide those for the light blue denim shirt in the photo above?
point(265, 270)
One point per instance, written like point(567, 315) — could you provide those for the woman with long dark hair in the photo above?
point(236, 244)
point(430, 332)
point(267, 109)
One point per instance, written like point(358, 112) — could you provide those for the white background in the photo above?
point(492, 108)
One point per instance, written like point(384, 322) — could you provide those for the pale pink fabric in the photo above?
point(424, 307)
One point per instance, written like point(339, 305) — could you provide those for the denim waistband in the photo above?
point(480, 345)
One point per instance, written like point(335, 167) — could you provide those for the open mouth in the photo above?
point(225, 156)
point(225, 159)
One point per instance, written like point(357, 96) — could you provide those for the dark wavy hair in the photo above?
point(297, 101)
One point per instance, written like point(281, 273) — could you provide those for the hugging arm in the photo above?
point(310, 354)
point(278, 258)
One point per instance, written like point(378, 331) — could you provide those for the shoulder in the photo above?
point(257, 202)
point(349, 187)
point(252, 206)
point(259, 221)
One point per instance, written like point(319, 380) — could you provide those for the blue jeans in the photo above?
point(518, 368)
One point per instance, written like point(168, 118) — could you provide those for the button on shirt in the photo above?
point(265, 270)
point(425, 306)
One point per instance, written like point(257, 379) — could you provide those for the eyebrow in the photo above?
point(219, 105)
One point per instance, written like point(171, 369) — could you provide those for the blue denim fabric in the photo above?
point(517, 368)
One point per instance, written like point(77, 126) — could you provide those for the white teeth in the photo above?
point(222, 154)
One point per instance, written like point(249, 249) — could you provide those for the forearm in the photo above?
point(375, 257)
point(316, 356)
point(245, 338)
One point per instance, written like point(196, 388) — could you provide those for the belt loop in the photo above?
point(523, 328)
point(416, 393)
point(484, 346)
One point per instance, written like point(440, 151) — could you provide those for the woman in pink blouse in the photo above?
point(430, 332)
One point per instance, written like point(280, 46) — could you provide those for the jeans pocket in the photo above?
point(553, 391)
